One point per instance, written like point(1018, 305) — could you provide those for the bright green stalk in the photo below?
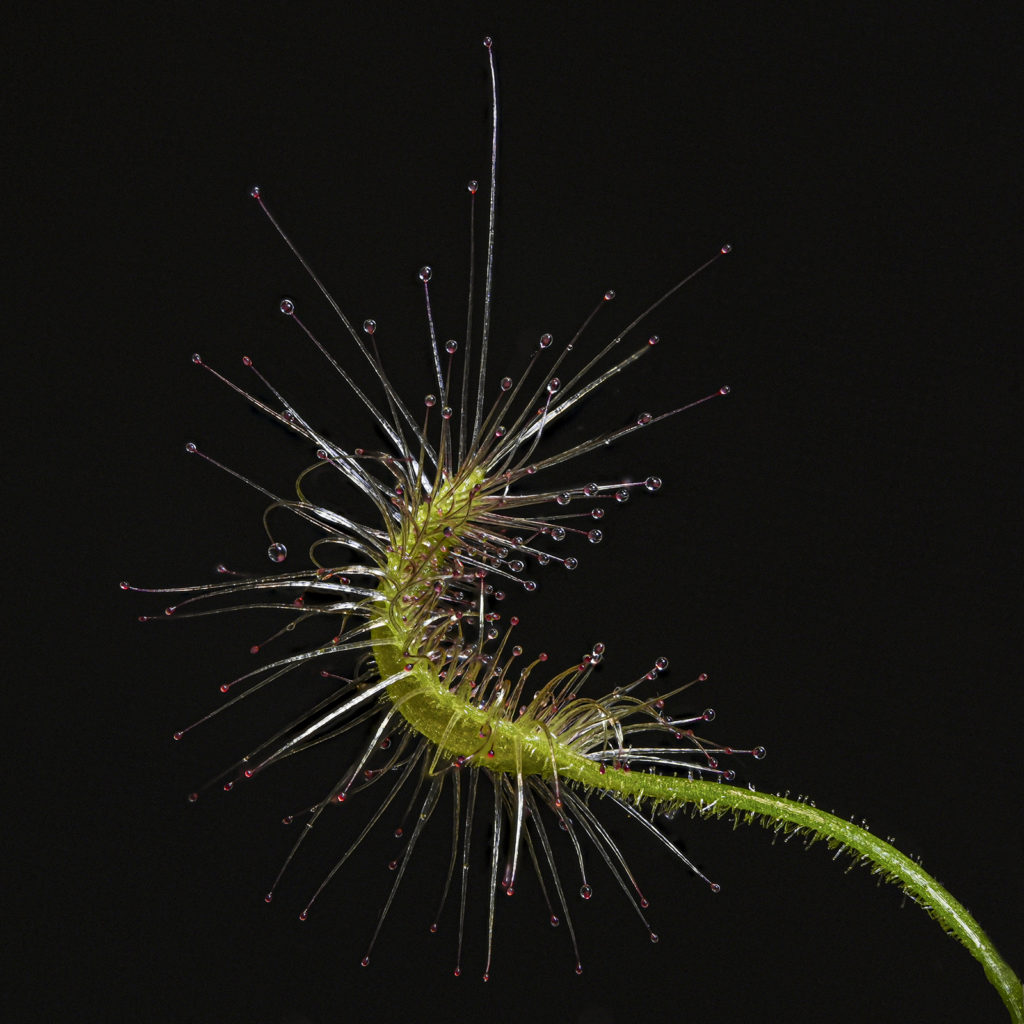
point(456, 727)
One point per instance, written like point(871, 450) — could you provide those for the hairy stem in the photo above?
point(462, 729)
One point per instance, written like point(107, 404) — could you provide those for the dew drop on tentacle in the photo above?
point(277, 552)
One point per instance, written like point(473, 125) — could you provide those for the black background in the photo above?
point(835, 544)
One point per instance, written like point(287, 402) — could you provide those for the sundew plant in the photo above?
point(472, 501)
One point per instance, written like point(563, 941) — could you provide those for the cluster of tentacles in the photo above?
point(444, 689)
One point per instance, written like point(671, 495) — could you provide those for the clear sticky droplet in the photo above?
point(571, 563)
point(758, 753)
point(369, 326)
point(451, 346)
point(595, 536)
point(553, 385)
point(254, 192)
point(564, 498)
point(277, 552)
point(545, 340)
point(653, 483)
point(429, 401)
point(287, 307)
point(191, 448)
point(506, 383)
point(727, 248)
point(586, 891)
point(653, 339)
point(472, 187)
point(425, 274)
point(609, 295)
point(724, 389)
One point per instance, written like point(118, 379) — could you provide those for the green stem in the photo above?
point(893, 865)
point(457, 727)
